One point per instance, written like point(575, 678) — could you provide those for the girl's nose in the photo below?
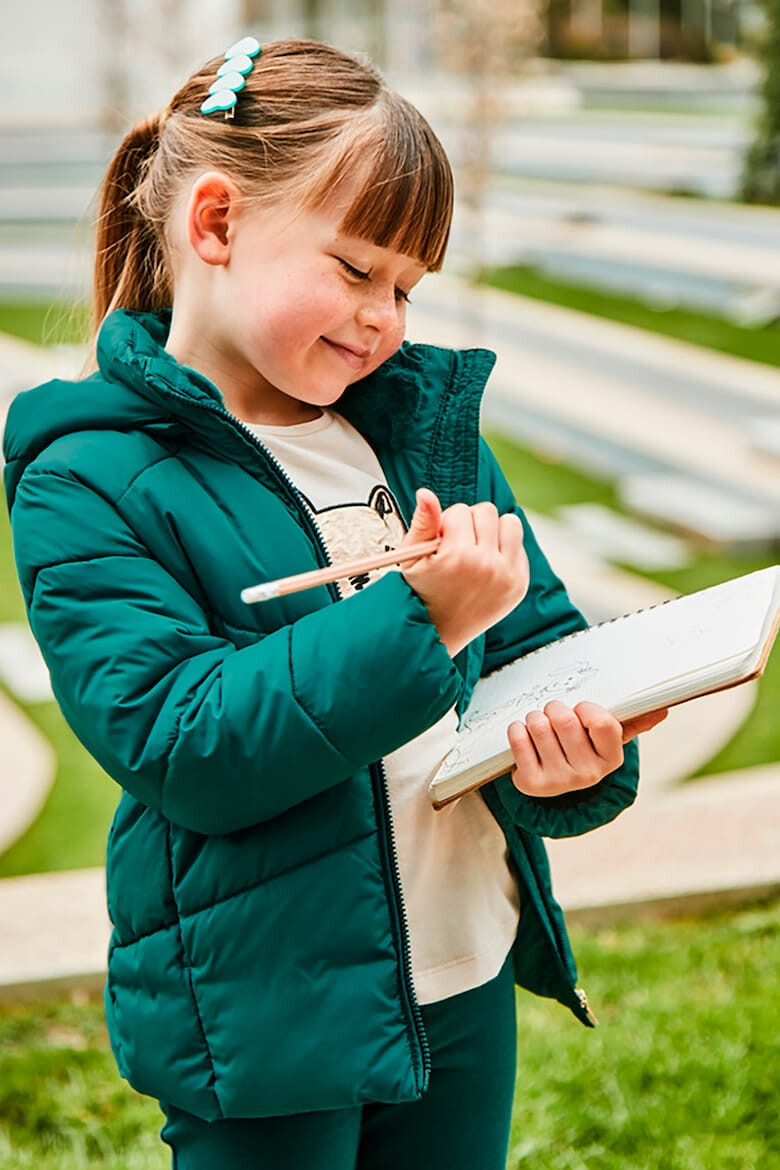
point(379, 309)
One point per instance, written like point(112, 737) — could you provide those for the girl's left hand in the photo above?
point(563, 749)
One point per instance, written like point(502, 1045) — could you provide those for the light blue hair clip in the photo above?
point(231, 77)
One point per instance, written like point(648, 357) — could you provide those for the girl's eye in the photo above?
point(400, 295)
point(352, 270)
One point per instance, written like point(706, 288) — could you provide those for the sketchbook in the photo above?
point(632, 665)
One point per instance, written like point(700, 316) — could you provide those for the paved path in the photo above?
point(718, 838)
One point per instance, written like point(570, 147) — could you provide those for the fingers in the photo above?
point(478, 574)
point(604, 732)
point(482, 524)
point(510, 534)
point(479, 524)
point(485, 521)
point(527, 772)
point(632, 727)
point(426, 521)
point(458, 526)
point(562, 739)
point(562, 750)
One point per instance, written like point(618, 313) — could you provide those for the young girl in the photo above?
point(310, 968)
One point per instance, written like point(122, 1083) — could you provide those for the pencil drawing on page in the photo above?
point(481, 718)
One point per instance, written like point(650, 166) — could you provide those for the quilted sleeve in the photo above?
point(545, 614)
point(215, 737)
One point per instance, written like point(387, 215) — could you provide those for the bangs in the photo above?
point(405, 196)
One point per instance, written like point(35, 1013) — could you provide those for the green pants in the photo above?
point(460, 1123)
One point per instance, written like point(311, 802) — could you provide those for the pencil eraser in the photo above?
point(259, 593)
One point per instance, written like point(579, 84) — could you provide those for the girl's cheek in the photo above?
point(395, 338)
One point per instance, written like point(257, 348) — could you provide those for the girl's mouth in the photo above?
point(355, 358)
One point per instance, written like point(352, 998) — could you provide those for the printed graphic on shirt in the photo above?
point(361, 530)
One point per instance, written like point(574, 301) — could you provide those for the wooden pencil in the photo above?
point(293, 584)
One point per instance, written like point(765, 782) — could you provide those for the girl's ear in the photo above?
point(211, 209)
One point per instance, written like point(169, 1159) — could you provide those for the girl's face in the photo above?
point(301, 312)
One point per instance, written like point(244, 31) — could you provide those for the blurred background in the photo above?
point(617, 243)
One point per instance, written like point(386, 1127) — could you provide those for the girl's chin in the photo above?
point(329, 391)
point(318, 399)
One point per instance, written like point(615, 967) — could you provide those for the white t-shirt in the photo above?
point(462, 902)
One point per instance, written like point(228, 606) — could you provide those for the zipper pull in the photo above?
point(582, 997)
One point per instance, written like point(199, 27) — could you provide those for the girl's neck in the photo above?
point(244, 392)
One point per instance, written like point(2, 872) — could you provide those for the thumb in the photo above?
point(426, 520)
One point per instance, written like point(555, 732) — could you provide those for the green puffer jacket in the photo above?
point(259, 961)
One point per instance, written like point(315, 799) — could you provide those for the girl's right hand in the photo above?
point(479, 572)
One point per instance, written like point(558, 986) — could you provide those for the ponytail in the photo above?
point(130, 268)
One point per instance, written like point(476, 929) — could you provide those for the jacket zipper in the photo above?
point(579, 992)
point(588, 1010)
point(397, 903)
point(569, 979)
point(377, 771)
point(308, 516)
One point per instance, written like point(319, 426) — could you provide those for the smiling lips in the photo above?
point(355, 356)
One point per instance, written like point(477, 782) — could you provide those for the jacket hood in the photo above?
point(139, 386)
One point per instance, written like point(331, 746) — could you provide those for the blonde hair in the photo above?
point(309, 119)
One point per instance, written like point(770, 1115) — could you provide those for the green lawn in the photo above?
point(761, 345)
point(682, 1074)
point(11, 602)
point(45, 323)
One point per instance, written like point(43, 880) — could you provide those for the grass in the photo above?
point(62, 1104)
point(46, 323)
point(682, 1074)
point(11, 601)
point(761, 345)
